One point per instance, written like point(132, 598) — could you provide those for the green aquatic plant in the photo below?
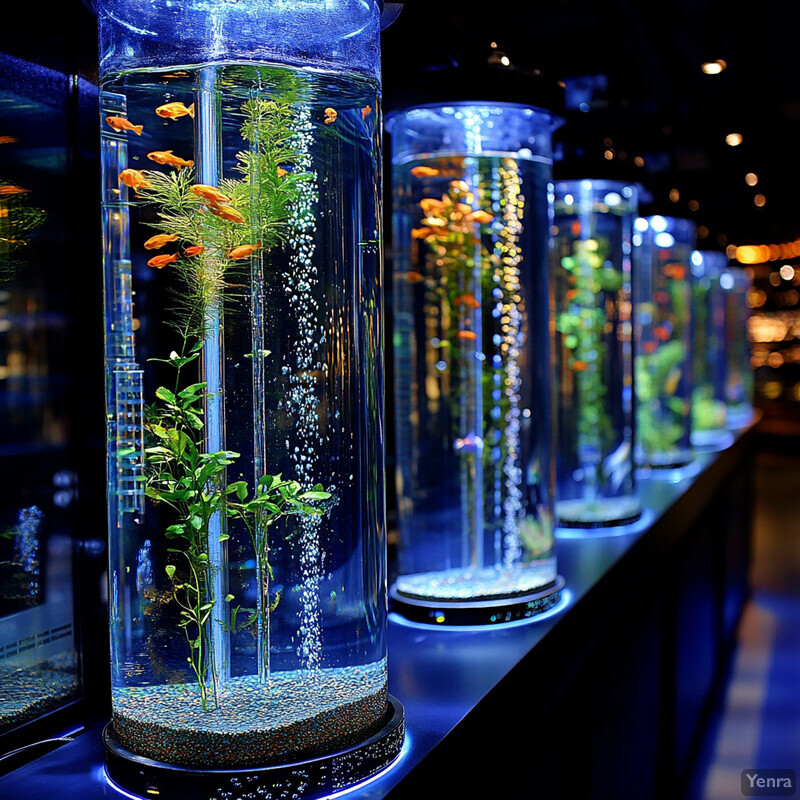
point(661, 415)
point(582, 322)
point(216, 229)
point(192, 483)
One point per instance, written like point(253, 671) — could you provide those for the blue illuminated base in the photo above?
point(498, 610)
point(320, 777)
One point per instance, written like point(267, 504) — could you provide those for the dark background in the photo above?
point(646, 93)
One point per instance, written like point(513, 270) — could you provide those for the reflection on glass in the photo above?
point(594, 361)
point(38, 658)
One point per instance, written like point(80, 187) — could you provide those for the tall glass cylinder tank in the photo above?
point(471, 210)
point(708, 349)
point(243, 270)
point(594, 360)
point(740, 376)
point(663, 340)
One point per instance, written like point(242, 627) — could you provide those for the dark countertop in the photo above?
point(454, 683)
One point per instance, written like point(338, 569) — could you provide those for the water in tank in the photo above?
point(709, 407)
point(243, 284)
point(594, 359)
point(471, 212)
point(662, 307)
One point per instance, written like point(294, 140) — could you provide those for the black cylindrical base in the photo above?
point(305, 780)
point(498, 610)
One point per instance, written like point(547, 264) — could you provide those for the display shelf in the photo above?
point(614, 688)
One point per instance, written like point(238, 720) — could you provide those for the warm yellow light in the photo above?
point(751, 179)
point(760, 200)
point(608, 155)
point(639, 161)
point(674, 195)
point(749, 254)
point(787, 272)
point(702, 232)
point(713, 67)
point(693, 205)
point(504, 61)
point(733, 139)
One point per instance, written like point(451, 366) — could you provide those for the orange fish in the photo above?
point(366, 111)
point(330, 115)
point(420, 233)
point(245, 251)
point(414, 277)
point(678, 272)
point(13, 190)
point(424, 172)
point(575, 228)
point(210, 194)
point(481, 217)
point(122, 124)
point(8, 139)
point(467, 300)
point(579, 366)
point(175, 110)
point(159, 240)
point(469, 335)
point(661, 333)
point(194, 250)
point(166, 157)
point(282, 172)
point(159, 262)
point(134, 178)
point(571, 294)
point(430, 204)
point(227, 213)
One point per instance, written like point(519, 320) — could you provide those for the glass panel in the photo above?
point(663, 340)
point(39, 663)
point(471, 212)
point(594, 361)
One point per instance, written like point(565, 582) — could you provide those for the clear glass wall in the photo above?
point(663, 340)
point(740, 376)
point(242, 234)
point(41, 437)
point(594, 359)
point(708, 348)
point(471, 213)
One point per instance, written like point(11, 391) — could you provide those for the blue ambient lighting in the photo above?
point(644, 521)
point(405, 750)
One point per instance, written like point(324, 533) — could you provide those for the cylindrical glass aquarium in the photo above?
point(740, 376)
point(594, 360)
point(243, 270)
point(471, 212)
point(662, 307)
point(708, 349)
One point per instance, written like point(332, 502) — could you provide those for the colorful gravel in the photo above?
point(298, 715)
point(28, 693)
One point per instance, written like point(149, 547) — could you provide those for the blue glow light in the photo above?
point(611, 530)
point(404, 751)
point(664, 239)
